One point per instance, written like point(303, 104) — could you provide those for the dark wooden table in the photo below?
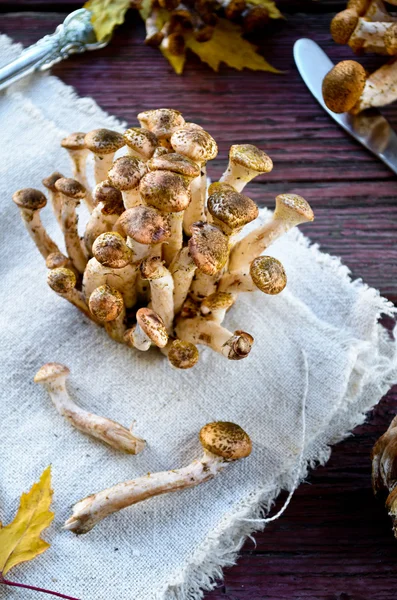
point(335, 541)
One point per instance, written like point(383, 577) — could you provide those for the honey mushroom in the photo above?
point(107, 306)
point(161, 289)
point(125, 175)
point(108, 206)
point(71, 193)
point(216, 305)
point(223, 443)
point(63, 282)
point(30, 202)
point(52, 376)
point(146, 229)
point(182, 270)
point(181, 354)
point(245, 162)
point(140, 143)
point(56, 260)
point(103, 144)
point(162, 122)
point(149, 330)
point(266, 274)
point(200, 147)
point(78, 152)
point(363, 26)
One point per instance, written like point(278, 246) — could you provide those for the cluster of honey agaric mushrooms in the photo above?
point(160, 263)
point(366, 26)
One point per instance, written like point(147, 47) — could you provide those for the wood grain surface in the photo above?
point(335, 541)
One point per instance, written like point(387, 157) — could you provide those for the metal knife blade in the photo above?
point(370, 128)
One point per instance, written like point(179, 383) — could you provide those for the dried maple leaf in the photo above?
point(106, 14)
point(20, 541)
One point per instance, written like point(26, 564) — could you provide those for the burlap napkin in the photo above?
point(171, 546)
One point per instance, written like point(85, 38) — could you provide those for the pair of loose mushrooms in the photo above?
point(223, 442)
point(366, 26)
point(162, 259)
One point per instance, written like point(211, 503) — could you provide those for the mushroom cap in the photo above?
point(104, 141)
point(50, 372)
point(74, 141)
point(70, 187)
point(268, 274)
point(208, 247)
point(141, 140)
point(29, 199)
point(153, 267)
point(231, 210)
point(111, 250)
point(166, 191)
point(293, 209)
point(226, 440)
point(219, 185)
point(177, 163)
point(183, 355)
point(56, 260)
point(111, 198)
point(49, 182)
point(106, 303)
point(153, 326)
point(61, 280)
point(126, 173)
point(160, 151)
point(250, 157)
point(239, 345)
point(189, 125)
point(217, 301)
point(343, 86)
point(390, 39)
point(343, 24)
point(196, 144)
point(161, 121)
point(145, 225)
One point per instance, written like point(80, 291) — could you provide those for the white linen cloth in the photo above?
point(172, 546)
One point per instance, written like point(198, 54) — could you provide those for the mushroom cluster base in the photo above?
point(162, 258)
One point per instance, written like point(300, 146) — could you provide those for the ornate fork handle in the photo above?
point(73, 36)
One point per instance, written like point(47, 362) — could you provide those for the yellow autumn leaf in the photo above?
point(106, 14)
point(228, 46)
point(176, 62)
point(20, 541)
point(274, 13)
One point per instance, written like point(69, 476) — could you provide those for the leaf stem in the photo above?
point(32, 587)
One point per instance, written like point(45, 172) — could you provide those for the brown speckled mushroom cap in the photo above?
point(217, 301)
point(177, 163)
point(29, 199)
point(161, 121)
point(56, 260)
point(166, 191)
point(208, 247)
point(219, 185)
point(49, 182)
point(111, 198)
point(61, 280)
point(268, 274)
point(111, 250)
point(152, 267)
point(106, 303)
point(343, 86)
point(183, 355)
point(142, 141)
point(196, 144)
point(225, 439)
point(127, 172)
point(74, 141)
point(145, 225)
point(70, 187)
point(250, 157)
point(343, 24)
point(231, 210)
point(293, 209)
point(50, 372)
point(153, 326)
point(103, 141)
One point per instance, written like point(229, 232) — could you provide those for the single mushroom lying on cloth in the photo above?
point(163, 258)
point(347, 88)
point(223, 443)
point(53, 377)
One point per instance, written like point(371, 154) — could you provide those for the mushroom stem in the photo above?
point(196, 209)
point(222, 443)
point(53, 377)
point(245, 162)
point(55, 196)
point(161, 289)
point(215, 306)
point(369, 36)
point(380, 88)
point(174, 244)
point(149, 329)
point(97, 224)
point(137, 338)
point(199, 330)
point(30, 202)
point(291, 210)
point(203, 285)
point(63, 282)
point(90, 511)
point(72, 239)
point(182, 270)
